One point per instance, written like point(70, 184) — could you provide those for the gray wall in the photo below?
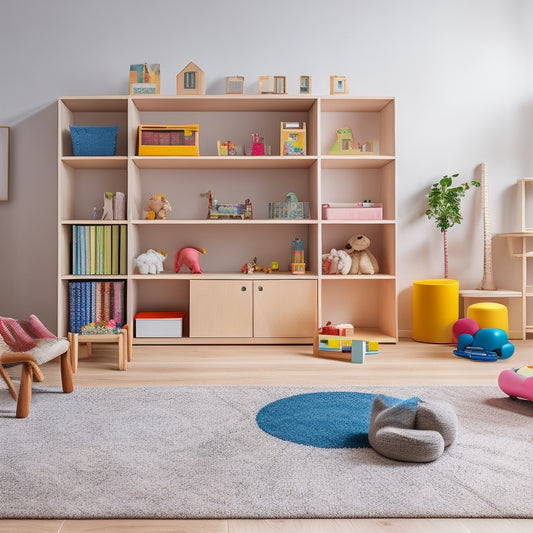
point(460, 71)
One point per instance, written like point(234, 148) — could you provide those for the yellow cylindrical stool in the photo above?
point(435, 309)
point(489, 315)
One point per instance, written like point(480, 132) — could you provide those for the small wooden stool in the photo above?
point(122, 339)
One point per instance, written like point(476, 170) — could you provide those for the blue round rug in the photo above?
point(320, 419)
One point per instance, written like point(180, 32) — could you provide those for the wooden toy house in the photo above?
point(191, 80)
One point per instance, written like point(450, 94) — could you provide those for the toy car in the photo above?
point(517, 382)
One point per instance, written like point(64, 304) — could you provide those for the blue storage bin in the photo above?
point(94, 140)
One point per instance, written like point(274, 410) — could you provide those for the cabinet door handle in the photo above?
point(243, 288)
point(260, 288)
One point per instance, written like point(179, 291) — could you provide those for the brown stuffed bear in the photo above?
point(158, 205)
point(363, 261)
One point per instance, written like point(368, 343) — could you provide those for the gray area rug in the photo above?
point(197, 452)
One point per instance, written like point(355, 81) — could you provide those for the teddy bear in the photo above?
point(336, 262)
point(188, 257)
point(158, 205)
point(151, 262)
point(363, 261)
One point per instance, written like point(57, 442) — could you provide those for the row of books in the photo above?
point(99, 249)
point(96, 301)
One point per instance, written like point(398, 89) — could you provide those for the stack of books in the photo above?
point(96, 301)
point(99, 249)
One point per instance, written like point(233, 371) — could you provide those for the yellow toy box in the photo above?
point(167, 140)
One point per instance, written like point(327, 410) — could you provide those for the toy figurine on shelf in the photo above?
point(251, 267)
point(218, 211)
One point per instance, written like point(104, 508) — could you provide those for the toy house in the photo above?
point(191, 80)
point(272, 85)
point(305, 85)
point(338, 85)
point(235, 85)
point(145, 78)
point(292, 138)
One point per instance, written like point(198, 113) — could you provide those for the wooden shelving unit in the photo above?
point(294, 305)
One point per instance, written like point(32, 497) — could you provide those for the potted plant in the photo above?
point(444, 200)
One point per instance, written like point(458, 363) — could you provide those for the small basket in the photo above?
point(94, 140)
point(291, 210)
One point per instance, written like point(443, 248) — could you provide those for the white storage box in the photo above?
point(159, 324)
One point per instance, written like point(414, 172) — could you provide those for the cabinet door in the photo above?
point(220, 308)
point(285, 308)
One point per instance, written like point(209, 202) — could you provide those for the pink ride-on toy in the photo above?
point(517, 382)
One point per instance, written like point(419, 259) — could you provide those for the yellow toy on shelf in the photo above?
point(345, 145)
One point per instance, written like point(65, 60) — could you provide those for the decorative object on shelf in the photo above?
point(487, 344)
point(4, 162)
point(289, 208)
point(339, 329)
point(107, 212)
point(94, 140)
point(305, 85)
point(338, 85)
point(487, 282)
point(345, 145)
point(100, 328)
point(158, 206)
point(363, 260)
point(297, 256)
point(235, 85)
point(445, 207)
point(292, 138)
point(252, 266)
point(227, 148)
point(145, 78)
point(365, 210)
point(517, 382)
point(191, 80)
point(151, 261)
point(169, 140)
point(258, 144)
point(272, 85)
point(336, 262)
point(190, 258)
point(218, 211)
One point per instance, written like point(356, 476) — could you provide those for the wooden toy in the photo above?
point(292, 138)
point(218, 211)
point(235, 85)
point(343, 347)
point(305, 85)
point(163, 140)
point(345, 144)
point(272, 85)
point(191, 80)
point(145, 78)
point(338, 85)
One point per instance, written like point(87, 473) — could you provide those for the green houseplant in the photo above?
point(444, 201)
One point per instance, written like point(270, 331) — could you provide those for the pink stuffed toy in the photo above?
point(189, 258)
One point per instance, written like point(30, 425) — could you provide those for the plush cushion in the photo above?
point(411, 430)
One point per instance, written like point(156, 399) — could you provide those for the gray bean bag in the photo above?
point(411, 430)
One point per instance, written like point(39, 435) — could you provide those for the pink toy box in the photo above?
point(353, 211)
point(517, 382)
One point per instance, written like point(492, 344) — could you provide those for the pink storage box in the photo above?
point(352, 212)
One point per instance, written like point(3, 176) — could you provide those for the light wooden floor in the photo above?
point(406, 363)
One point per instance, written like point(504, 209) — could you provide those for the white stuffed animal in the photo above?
point(363, 261)
point(336, 262)
point(151, 262)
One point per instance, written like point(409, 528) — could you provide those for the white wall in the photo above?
point(460, 72)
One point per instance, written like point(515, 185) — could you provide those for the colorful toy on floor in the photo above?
point(517, 382)
point(487, 344)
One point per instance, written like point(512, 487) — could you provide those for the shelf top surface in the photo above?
point(225, 102)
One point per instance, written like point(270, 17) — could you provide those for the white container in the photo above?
point(162, 324)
